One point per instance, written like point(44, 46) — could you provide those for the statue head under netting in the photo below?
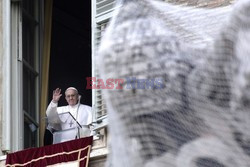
point(185, 97)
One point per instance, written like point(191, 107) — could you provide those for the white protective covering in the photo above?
point(198, 112)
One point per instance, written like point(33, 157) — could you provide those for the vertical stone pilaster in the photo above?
point(4, 75)
point(1, 71)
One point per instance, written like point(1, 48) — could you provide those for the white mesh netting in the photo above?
point(185, 100)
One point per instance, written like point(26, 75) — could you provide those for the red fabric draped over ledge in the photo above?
point(71, 153)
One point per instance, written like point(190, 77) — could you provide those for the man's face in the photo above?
point(71, 96)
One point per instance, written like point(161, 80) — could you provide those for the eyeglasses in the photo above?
point(69, 96)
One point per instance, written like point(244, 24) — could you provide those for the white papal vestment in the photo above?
point(60, 120)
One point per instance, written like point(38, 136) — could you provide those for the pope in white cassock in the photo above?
point(72, 120)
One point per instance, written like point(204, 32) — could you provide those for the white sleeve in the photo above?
point(51, 109)
point(85, 115)
point(52, 113)
point(89, 121)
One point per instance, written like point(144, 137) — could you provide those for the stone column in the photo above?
point(5, 71)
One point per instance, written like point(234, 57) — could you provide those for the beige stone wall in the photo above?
point(99, 152)
point(100, 162)
point(2, 163)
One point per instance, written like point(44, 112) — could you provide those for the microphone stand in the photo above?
point(78, 131)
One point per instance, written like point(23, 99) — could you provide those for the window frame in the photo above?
point(18, 115)
point(99, 19)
